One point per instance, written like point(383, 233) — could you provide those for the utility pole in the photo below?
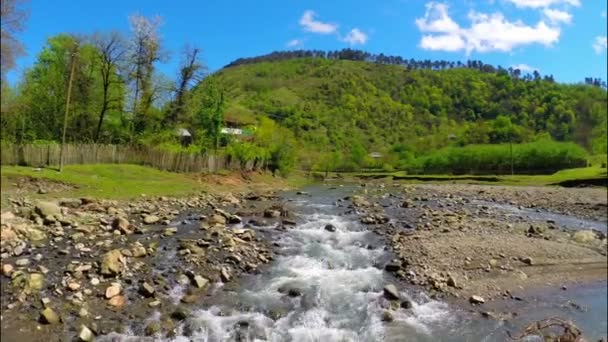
point(67, 105)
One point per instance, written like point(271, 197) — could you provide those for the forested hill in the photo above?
point(335, 103)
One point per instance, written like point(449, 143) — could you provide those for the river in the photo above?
point(326, 284)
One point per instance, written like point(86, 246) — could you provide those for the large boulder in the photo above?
point(46, 208)
point(111, 263)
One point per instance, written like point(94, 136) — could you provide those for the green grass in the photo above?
point(578, 174)
point(110, 181)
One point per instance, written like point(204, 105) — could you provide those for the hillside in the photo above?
point(333, 104)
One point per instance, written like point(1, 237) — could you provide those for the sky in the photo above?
point(565, 38)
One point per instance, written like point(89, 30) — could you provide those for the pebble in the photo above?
point(22, 262)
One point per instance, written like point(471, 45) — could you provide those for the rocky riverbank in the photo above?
point(83, 267)
point(481, 243)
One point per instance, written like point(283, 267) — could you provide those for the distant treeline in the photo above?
point(359, 55)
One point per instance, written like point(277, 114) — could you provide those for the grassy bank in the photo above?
point(120, 181)
point(592, 174)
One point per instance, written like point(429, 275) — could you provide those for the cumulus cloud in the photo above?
point(487, 32)
point(309, 24)
point(600, 44)
point(543, 3)
point(355, 36)
point(524, 67)
point(294, 43)
point(557, 16)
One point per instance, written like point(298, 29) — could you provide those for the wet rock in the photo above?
point(392, 267)
point(146, 290)
point(452, 281)
point(169, 231)
point(359, 201)
point(387, 316)
point(406, 304)
point(111, 263)
point(272, 213)
point(85, 334)
point(151, 219)
point(225, 275)
point(200, 281)
point(476, 300)
point(17, 251)
point(117, 301)
point(217, 219)
point(112, 291)
point(330, 227)
point(73, 286)
point(180, 313)
point(289, 222)
point(152, 329)
point(122, 224)
point(46, 208)
point(49, 316)
point(391, 292)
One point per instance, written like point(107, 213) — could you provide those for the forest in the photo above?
point(307, 109)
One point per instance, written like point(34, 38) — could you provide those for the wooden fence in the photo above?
point(47, 155)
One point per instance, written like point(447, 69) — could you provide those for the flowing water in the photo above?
point(327, 286)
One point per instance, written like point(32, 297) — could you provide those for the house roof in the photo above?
point(182, 132)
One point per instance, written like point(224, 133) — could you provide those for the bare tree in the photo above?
point(111, 49)
point(192, 70)
point(13, 17)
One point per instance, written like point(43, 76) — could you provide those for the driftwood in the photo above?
point(542, 329)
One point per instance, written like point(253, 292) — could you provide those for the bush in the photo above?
point(543, 156)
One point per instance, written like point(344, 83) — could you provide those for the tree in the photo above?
point(111, 50)
point(192, 70)
point(211, 112)
point(13, 17)
point(145, 50)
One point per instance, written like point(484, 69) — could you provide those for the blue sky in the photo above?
point(566, 38)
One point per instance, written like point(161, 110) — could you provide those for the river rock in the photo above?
point(476, 299)
point(152, 329)
point(584, 236)
point(225, 275)
point(217, 219)
point(180, 313)
point(146, 290)
point(7, 269)
point(330, 228)
point(526, 260)
point(22, 262)
point(122, 224)
point(200, 281)
point(391, 292)
point(272, 213)
point(46, 208)
point(85, 334)
point(406, 304)
point(111, 264)
point(387, 316)
point(151, 219)
point(112, 291)
point(48, 316)
point(117, 301)
point(35, 281)
point(138, 250)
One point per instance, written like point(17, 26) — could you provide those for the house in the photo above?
point(375, 155)
point(185, 138)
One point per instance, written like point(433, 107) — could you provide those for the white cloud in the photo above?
point(524, 67)
point(355, 36)
point(444, 42)
point(487, 32)
point(436, 19)
point(294, 43)
point(600, 44)
point(309, 24)
point(543, 3)
point(557, 16)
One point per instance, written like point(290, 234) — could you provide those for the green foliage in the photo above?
point(210, 114)
point(543, 156)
